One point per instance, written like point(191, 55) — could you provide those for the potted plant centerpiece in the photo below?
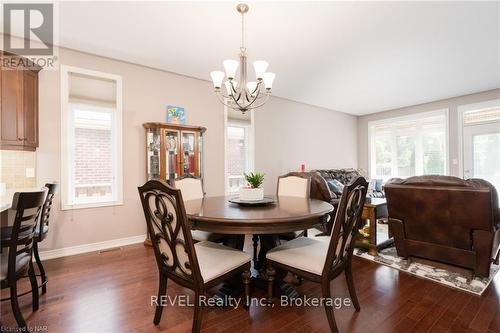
point(254, 191)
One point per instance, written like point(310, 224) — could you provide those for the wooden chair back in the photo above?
point(169, 233)
point(45, 214)
point(346, 225)
point(294, 184)
point(27, 207)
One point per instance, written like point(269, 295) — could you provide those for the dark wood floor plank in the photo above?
point(484, 316)
point(110, 292)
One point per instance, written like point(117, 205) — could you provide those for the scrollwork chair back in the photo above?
point(170, 235)
point(347, 221)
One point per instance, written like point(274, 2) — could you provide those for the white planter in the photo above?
point(251, 194)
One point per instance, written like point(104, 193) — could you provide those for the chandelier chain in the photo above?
point(242, 32)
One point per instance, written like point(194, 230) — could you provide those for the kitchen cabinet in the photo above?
point(18, 103)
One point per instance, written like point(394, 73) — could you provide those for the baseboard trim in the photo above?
point(85, 248)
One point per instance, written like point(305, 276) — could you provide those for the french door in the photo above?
point(481, 145)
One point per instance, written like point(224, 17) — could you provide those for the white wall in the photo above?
point(287, 134)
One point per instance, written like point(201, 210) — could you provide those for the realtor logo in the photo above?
point(33, 23)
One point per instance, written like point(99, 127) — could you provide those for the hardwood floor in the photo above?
point(110, 292)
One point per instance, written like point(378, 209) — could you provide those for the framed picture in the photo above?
point(176, 115)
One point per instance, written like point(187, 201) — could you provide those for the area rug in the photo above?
point(449, 278)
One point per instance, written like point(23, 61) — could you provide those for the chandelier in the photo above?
point(241, 94)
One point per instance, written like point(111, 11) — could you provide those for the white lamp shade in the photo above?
point(268, 79)
point(228, 86)
point(251, 87)
point(230, 66)
point(260, 67)
point(217, 77)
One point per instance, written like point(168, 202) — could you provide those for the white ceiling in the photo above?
point(355, 57)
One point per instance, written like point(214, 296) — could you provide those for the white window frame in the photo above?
point(67, 184)
point(460, 111)
point(415, 116)
point(251, 146)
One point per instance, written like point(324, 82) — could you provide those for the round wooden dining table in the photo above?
point(287, 214)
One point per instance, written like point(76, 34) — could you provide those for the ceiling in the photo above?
point(354, 57)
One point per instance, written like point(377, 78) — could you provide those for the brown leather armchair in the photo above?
point(446, 219)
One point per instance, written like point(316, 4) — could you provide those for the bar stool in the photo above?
point(17, 261)
point(42, 230)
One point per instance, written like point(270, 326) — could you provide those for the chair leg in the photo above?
point(15, 307)
point(246, 282)
point(325, 286)
point(34, 287)
point(350, 286)
point(255, 239)
point(162, 291)
point(270, 272)
point(40, 267)
point(198, 314)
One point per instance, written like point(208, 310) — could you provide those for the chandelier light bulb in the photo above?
point(251, 86)
point(260, 67)
point(230, 66)
point(217, 77)
point(268, 80)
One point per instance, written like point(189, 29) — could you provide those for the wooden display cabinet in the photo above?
point(173, 151)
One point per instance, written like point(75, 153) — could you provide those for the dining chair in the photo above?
point(42, 231)
point(192, 189)
point(324, 258)
point(197, 266)
point(294, 184)
point(16, 249)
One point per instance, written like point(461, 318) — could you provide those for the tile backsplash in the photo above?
point(17, 169)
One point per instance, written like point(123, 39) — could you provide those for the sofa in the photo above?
point(445, 219)
point(344, 177)
point(325, 186)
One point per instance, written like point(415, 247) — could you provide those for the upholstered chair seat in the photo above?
point(216, 260)
point(304, 253)
point(22, 261)
point(7, 232)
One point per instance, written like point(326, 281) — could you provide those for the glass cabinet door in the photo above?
point(200, 155)
point(189, 150)
point(153, 153)
point(172, 170)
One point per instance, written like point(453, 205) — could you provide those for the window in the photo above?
point(91, 145)
point(409, 146)
point(479, 138)
point(239, 149)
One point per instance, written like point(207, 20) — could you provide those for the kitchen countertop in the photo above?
point(6, 199)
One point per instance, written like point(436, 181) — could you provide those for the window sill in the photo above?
point(91, 205)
